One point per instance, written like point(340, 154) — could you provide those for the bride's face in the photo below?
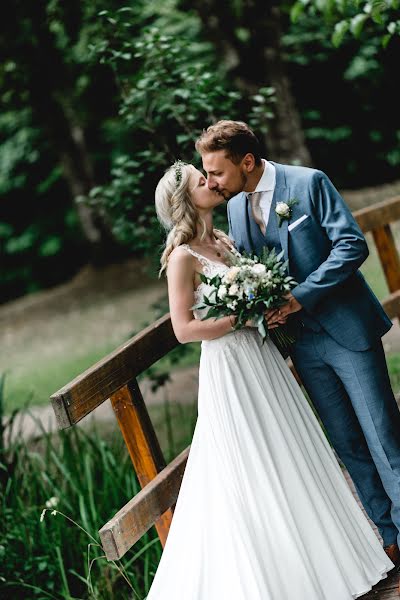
point(202, 197)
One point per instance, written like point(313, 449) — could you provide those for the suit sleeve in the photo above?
point(348, 246)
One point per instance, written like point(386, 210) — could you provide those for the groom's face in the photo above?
point(224, 176)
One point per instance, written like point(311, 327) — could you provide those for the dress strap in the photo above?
point(202, 259)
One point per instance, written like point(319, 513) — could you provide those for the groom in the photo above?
point(338, 352)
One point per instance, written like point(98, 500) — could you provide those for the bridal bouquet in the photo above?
point(252, 285)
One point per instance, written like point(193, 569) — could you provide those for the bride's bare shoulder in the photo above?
point(180, 258)
point(180, 253)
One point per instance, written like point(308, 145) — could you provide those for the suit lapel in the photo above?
point(281, 194)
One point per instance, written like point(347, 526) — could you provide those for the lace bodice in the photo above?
point(210, 269)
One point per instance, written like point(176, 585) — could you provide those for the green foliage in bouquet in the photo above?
point(252, 285)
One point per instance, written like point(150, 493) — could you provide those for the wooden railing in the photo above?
point(114, 378)
point(377, 219)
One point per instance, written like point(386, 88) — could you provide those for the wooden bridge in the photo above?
point(114, 378)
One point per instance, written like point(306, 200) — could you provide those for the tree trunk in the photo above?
point(51, 87)
point(247, 36)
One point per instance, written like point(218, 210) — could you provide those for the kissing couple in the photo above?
point(264, 511)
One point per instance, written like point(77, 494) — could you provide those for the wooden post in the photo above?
point(388, 256)
point(141, 441)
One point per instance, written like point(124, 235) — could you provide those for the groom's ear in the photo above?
point(248, 162)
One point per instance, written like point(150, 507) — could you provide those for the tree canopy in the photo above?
point(99, 99)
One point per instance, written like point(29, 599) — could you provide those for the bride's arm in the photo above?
point(181, 272)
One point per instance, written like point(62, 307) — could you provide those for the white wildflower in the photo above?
point(52, 502)
point(53, 512)
point(42, 515)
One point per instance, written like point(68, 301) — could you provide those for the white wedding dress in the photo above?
point(264, 511)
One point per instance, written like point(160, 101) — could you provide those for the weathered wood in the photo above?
point(391, 304)
point(87, 391)
point(138, 515)
point(141, 441)
point(388, 256)
point(379, 214)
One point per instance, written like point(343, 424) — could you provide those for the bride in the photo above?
point(264, 511)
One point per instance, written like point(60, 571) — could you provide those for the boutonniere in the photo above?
point(284, 210)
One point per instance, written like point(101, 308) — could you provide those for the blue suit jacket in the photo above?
point(323, 252)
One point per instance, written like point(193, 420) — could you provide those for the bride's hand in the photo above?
point(250, 323)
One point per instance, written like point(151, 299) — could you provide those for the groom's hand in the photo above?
point(278, 316)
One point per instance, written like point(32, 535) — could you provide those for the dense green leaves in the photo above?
point(172, 90)
point(354, 16)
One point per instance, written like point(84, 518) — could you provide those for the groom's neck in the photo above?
point(253, 178)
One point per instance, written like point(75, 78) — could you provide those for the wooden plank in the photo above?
point(138, 515)
point(391, 304)
point(386, 589)
point(388, 256)
point(87, 391)
point(379, 214)
point(142, 442)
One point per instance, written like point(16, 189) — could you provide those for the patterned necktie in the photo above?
point(256, 209)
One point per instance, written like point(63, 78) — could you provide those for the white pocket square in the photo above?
point(295, 223)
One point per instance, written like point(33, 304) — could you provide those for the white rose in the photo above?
point(222, 292)
point(258, 269)
point(231, 275)
point(232, 305)
point(233, 290)
point(282, 209)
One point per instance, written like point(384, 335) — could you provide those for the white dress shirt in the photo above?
point(266, 186)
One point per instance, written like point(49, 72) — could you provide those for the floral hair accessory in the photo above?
point(178, 171)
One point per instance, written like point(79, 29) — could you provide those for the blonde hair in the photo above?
point(176, 211)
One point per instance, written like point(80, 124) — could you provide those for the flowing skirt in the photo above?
point(264, 511)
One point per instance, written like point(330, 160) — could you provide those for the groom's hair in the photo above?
point(234, 137)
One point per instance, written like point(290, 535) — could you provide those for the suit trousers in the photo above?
point(352, 395)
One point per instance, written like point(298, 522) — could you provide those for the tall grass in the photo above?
point(90, 475)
